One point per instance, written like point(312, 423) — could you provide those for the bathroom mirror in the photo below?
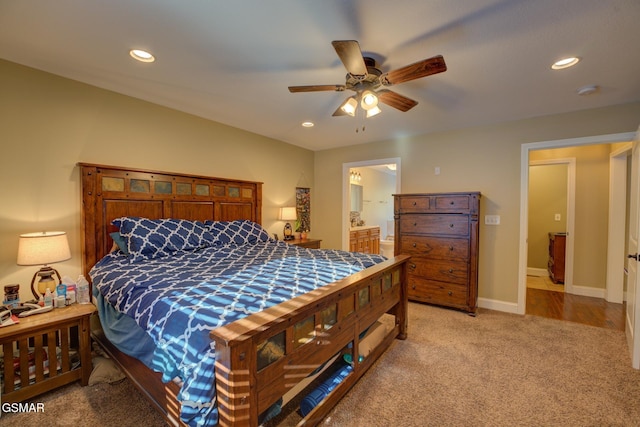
point(356, 198)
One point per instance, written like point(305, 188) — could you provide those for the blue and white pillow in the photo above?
point(155, 238)
point(237, 232)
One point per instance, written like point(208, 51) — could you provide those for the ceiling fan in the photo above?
point(369, 83)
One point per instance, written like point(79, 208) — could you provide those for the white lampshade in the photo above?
point(43, 248)
point(288, 213)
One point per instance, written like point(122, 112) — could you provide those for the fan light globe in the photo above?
point(369, 100)
point(350, 106)
point(373, 111)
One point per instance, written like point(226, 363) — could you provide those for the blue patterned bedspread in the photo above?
point(179, 299)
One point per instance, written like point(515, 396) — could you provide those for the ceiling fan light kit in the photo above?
point(369, 83)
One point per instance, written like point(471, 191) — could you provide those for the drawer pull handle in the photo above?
point(451, 248)
point(450, 293)
point(414, 245)
point(451, 270)
point(413, 287)
point(415, 203)
point(415, 224)
point(413, 266)
point(450, 225)
point(452, 203)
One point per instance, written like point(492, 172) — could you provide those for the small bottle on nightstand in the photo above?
point(48, 298)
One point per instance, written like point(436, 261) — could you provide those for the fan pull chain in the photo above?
point(361, 116)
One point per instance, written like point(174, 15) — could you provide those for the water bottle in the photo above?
point(48, 298)
point(82, 290)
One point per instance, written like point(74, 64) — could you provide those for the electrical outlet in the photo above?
point(492, 219)
point(437, 170)
point(557, 217)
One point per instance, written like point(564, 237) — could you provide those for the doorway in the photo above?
point(524, 195)
point(374, 165)
point(552, 198)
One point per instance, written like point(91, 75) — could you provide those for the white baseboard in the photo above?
point(512, 307)
point(587, 291)
point(538, 272)
point(492, 304)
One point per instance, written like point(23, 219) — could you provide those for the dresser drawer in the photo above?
point(414, 204)
point(452, 224)
point(438, 292)
point(441, 270)
point(451, 202)
point(434, 247)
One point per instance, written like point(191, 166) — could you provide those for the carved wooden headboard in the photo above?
point(110, 192)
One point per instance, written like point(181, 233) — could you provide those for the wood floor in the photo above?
point(575, 308)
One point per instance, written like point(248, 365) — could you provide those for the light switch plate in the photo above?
point(492, 219)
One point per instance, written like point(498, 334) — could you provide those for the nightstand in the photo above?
point(306, 243)
point(27, 352)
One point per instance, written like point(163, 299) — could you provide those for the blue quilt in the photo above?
point(179, 299)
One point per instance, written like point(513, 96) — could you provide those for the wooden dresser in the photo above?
point(555, 265)
point(440, 232)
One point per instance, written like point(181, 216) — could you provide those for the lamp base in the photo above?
point(288, 232)
point(46, 281)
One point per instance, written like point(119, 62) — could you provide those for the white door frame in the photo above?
point(617, 237)
point(570, 214)
point(524, 194)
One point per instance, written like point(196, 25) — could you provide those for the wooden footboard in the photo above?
point(312, 328)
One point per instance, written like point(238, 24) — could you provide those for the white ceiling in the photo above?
point(232, 61)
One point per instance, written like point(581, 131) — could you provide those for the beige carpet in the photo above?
point(495, 369)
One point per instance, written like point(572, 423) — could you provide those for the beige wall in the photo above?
point(48, 124)
point(485, 159)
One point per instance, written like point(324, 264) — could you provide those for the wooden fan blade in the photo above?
point(317, 88)
point(396, 100)
point(414, 71)
point(351, 56)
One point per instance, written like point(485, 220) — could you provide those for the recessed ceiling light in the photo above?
point(565, 63)
point(307, 124)
point(141, 55)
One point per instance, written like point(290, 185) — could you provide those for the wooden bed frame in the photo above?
point(244, 390)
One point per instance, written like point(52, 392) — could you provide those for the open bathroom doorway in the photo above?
point(378, 181)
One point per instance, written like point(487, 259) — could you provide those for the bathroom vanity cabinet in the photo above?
point(365, 239)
